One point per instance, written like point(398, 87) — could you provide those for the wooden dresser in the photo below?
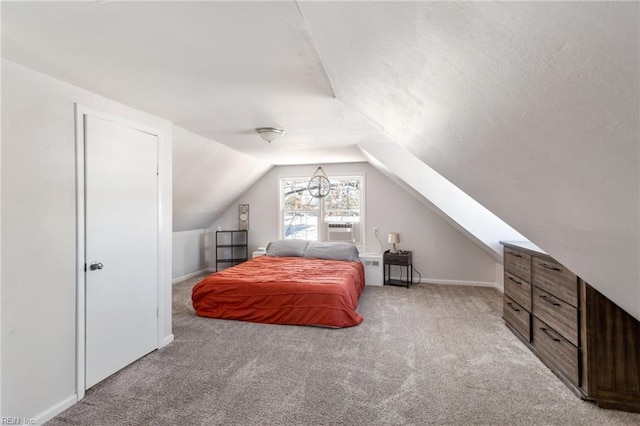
point(590, 343)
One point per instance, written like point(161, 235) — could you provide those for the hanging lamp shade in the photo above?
point(319, 184)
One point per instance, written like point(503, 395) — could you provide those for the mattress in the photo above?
point(284, 290)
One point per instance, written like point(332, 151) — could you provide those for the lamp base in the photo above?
point(394, 249)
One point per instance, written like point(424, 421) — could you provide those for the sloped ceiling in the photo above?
point(199, 200)
point(217, 69)
point(530, 108)
point(461, 211)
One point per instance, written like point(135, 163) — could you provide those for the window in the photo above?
point(300, 210)
point(307, 218)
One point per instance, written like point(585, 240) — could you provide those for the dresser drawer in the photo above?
point(558, 353)
point(555, 279)
point(517, 317)
point(561, 316)
point(517, 263)
point(518, 289)
point(398, 259)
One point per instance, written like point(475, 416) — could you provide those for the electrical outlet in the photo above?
point(375, 230)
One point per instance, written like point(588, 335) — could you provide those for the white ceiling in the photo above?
point(531, 108)
point(217, 69)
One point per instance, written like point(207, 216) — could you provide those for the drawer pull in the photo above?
point(545, 331)
point(513, 307)
point(515, 254)
point(515, 281)
point(553, 268)
point(544, 297)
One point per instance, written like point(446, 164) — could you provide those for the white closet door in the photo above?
point(121, 219)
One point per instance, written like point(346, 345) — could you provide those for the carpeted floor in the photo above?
point(425, 355)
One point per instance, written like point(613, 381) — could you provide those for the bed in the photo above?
point(297, 282)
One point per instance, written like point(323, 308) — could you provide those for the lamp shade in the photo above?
point(394, 238)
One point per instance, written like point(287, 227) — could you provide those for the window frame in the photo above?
point(360, 237)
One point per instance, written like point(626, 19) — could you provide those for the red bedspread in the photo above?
point(284, 290)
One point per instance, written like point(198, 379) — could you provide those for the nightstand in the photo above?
point(258, 254)
point(403, 259)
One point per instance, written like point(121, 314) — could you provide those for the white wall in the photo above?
point(190, 254)
point(39, 238)
point(0, 250)
point(440, 252)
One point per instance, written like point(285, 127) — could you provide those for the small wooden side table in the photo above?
point(402, 259)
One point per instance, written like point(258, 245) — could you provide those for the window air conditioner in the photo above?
point(340, 232)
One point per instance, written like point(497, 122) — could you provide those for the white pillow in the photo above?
point(331, 250)
point(287, 248)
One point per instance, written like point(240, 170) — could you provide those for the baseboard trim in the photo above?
point(191, 275)
point(460, 282)
point(167, 340)
point(438, 281)
point(54, 410)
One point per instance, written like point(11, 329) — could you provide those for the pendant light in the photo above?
point(319, 184)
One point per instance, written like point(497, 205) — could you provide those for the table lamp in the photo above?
point(394, 238)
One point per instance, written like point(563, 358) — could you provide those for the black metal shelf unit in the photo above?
point(231, 248)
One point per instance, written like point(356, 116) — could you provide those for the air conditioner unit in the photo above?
point(340, 232)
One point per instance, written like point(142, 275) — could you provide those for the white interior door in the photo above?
point(121, 232)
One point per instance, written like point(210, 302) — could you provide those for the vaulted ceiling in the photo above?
point(217, 69)
point(530, 108)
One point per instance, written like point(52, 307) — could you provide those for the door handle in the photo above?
point(96, 265)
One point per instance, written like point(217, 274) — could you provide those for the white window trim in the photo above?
point(363, 210)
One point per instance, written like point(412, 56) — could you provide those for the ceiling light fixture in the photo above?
point(269, 134)
point(319, 185)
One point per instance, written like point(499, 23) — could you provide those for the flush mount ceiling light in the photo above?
point(269, 134)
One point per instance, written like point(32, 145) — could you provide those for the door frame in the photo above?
point(80, 141)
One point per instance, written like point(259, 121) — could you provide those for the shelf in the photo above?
point(231, 248)
point(397, 282)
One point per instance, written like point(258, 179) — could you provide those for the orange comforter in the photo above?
point(284, 290)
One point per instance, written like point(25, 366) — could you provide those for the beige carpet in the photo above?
point(425, 355)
